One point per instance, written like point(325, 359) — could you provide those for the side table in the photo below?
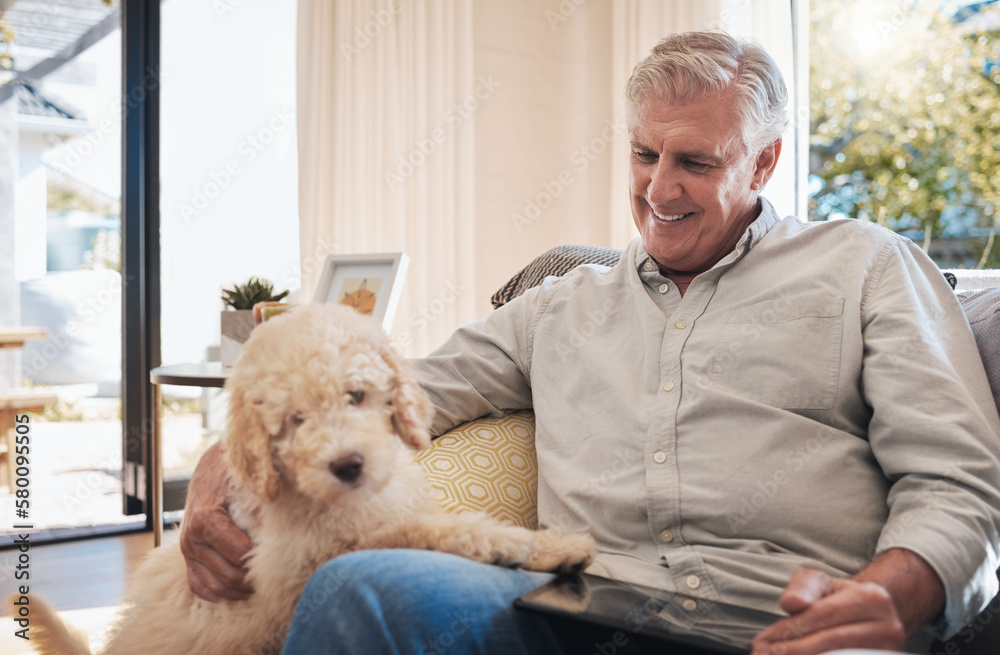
point(203, 374)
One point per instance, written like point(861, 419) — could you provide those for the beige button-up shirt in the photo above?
point(812, 400)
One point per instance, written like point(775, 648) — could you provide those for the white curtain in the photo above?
point(385, 158)
point(475, 134)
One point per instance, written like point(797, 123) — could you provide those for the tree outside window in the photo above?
point(905, 122)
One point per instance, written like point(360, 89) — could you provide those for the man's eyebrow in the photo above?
point(701, 155)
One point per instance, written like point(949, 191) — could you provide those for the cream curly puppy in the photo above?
point(322, 423)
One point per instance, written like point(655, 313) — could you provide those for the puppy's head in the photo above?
point(321, 403)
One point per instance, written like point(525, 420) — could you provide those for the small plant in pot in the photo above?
point(237, 319)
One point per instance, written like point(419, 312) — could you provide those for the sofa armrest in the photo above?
point(487, 465)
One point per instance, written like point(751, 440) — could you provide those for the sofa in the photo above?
point(489, 464)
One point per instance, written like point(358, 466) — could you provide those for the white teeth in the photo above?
point(671, 217)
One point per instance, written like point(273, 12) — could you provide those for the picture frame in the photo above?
point(371, 283)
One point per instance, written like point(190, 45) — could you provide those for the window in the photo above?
point(905, 122)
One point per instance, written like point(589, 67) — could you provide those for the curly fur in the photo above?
point(313, 386)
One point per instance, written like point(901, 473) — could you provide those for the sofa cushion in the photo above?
point(558, 261)
point(487, 465)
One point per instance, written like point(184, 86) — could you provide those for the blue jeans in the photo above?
point(411, 601)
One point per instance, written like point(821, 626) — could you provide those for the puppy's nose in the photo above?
point(348, 467)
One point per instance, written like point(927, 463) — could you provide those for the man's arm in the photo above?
point(213, 547)
point(877, 608)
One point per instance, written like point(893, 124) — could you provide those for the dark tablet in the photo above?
point(595, 615)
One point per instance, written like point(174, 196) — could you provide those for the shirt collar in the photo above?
point(761, 225)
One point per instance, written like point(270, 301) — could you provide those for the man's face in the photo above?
point(693, 184)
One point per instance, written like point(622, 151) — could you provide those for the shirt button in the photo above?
point(667, 536)
point(692, 582)
point(648, 266)
point(680, 325)
point(659, 457)
point(664, 288)
point(669, 386)
point(690, 605)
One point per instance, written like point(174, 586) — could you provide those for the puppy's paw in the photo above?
point(511, 548)
point(560, 552)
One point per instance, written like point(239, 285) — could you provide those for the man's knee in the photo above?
point(332, 583)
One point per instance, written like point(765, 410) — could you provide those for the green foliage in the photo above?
point(905, 117)
point(7, 37)
point(245, 296)
point(63, 196)
point(105, 252)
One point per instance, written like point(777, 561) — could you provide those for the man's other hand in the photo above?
point(214, 548)
point(827, 613)
point(889, 599)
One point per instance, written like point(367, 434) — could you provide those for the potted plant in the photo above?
point(237, 319)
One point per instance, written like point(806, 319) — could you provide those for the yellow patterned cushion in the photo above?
point(487, 465)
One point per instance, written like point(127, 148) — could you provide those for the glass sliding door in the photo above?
point(60, 256)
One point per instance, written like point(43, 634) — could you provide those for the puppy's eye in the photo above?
point(298, 418)
point(355, 397)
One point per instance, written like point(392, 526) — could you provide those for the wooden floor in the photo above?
point(84, 578)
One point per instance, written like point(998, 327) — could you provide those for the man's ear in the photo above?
point(767, 160)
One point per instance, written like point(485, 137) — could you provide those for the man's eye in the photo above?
point(355, 397)
point(644, 156)
point(696, 165)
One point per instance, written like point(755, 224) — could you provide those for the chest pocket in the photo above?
point(782, 353)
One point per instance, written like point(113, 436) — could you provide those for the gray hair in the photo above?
point(692, 66)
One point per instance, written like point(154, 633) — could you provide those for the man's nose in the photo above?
point(664, 186)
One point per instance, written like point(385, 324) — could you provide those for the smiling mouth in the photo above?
point(668, 218)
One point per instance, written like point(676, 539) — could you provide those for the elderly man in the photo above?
point(824, 367)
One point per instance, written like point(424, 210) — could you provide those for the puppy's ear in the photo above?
point(412, 411)
point(248, 448)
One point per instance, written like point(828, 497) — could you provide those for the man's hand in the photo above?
point(877, 608)
point(213, 546)
point(827, 613)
